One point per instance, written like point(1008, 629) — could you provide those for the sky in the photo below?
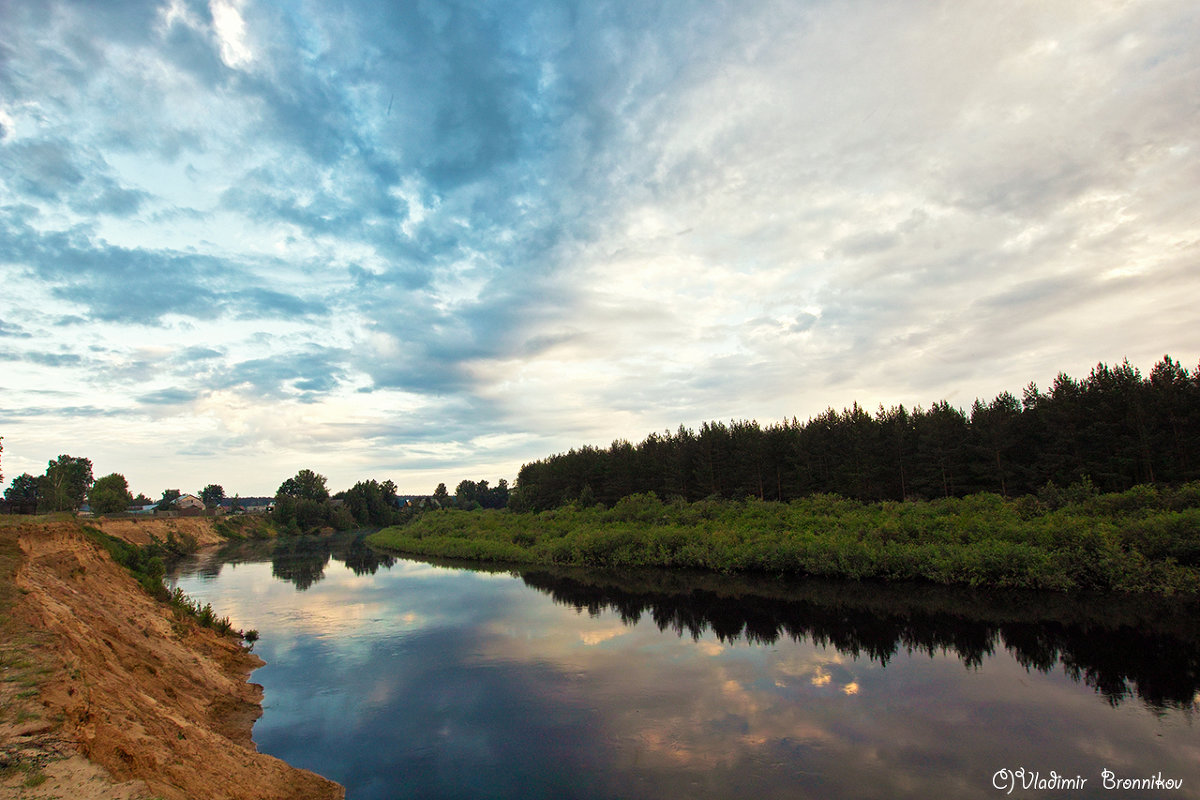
point(431, 241)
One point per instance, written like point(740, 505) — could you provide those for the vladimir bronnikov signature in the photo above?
point(1021, 778)
point(1033, 780)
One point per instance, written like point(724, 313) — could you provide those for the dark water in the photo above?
point(402, 678)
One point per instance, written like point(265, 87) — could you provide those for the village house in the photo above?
point(186, 501)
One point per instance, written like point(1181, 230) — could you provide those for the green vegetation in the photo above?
point(110, 494)
point(169, 496)
point(1144, 540)
point(303, 505)
point(184, 606)
point(62, 488)
point(27, 767)
point(148, 565)
point(212, 495)
point(23, 491)
point(245, 526)
point(470, 495)
point(1116, 427)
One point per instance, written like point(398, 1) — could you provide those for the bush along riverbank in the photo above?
point(147, 564)
point(1142, 541)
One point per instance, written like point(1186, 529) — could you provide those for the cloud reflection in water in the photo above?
point(414, 680)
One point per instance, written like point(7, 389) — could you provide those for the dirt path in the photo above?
point(105, 693)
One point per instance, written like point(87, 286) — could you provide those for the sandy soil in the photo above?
point(141, 531)
point(128, 701)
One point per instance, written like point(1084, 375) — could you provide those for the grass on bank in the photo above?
point(147, 564)
point(237, 527)
point(1145, 540)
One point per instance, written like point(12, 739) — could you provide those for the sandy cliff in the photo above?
point(141, 531)
point(159, 704)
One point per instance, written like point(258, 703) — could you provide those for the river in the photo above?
point(415, 679)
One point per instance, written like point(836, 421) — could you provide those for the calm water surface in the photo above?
point(401, 678)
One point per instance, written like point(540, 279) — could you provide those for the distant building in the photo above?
point(188, 501)
point(419, 503)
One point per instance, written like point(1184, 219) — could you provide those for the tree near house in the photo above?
point(307, 485)
point(371, 503)
point(311, 485)
point(169, 496)
point(212, 495)
point(65, 484)
point(471, 495)
point(300, 502)
point(110, 494)
point(466, 494)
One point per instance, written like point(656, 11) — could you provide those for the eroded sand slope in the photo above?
point(144, 695)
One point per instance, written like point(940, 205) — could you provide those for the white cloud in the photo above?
point(528, 237)
point(230, 29)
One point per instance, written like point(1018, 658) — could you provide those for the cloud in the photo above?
point(120, 284)
point(57, 412)
point(48, 170)
point(167, 397)
point(14, 331)
point(199, 353)
point(258, 302)
point(566, 223)
point(43, 358)
point(306, 373)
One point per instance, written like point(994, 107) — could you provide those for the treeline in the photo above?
point(303, 504)
point(1116, 429)
point(64, 486)
point(471, 495)
point(67, 484)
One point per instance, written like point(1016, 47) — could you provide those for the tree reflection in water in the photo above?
point(1122, 649)
point(302, 559)
point(299, 560)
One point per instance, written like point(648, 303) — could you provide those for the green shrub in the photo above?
point(1127, 542)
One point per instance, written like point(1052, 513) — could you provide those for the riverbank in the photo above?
point(106, 693)
point(190, 532)
point(1145, 541)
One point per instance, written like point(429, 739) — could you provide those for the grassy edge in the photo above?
point(147, 565)
point(980, 541)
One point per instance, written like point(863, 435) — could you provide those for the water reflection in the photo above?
point(402, 678)
point(299, 560)
point(1122, 649)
